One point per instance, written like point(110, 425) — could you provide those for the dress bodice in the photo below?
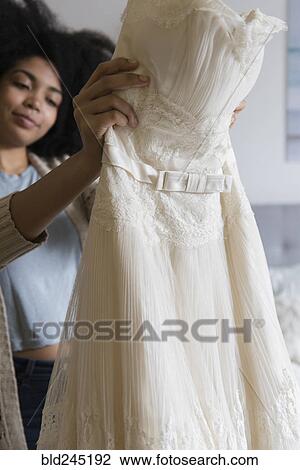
point(203, 59)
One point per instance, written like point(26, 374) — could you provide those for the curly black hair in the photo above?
point(28, 28)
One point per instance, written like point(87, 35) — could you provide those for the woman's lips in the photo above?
point(24, 121)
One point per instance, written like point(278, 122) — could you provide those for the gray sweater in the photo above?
point(13, 245)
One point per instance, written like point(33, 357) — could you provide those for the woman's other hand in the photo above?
point(237, 111)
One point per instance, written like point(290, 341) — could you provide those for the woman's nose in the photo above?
point(33, 102)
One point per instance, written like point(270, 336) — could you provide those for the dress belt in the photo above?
point(166, 180)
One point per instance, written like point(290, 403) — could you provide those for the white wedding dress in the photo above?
point(173, 242)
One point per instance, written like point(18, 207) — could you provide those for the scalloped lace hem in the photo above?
point(281, 431)
point(132, 435)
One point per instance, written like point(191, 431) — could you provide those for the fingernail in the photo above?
point(132, 61)
point(143, 78)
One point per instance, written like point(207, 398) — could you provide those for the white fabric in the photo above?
point(163, 180)
point(156, 256)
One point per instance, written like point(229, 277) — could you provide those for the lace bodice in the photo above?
point(170, 137)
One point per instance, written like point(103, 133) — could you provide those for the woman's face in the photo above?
point(30, 96)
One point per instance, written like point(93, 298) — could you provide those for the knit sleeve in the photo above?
point(12, 242)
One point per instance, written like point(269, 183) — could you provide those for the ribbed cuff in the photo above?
point(12, 242)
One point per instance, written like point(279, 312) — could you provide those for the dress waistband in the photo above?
point(164, 180)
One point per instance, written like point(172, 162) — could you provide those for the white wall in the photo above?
point(259, 137)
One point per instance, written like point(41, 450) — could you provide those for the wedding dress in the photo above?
point(173, 242)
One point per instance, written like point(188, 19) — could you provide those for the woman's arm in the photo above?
point(34, 208)
point(25, 214)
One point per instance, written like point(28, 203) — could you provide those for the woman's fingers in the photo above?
point(110, 103)
point(236, 112)
point(114, 117)
point(110, 83)
point(111, 67)
point(98, 127)
point(240, 107)
point(233, 120)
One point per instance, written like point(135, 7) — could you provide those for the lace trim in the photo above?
point(252, 35)
point(146, 99)
point(168, 136)
point(132, 435)
point(285, 417)
point(280, 432)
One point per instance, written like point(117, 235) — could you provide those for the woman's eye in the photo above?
point(22, 86)
point(52, 103)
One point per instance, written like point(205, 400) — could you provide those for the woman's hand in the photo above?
point(97, 108)
point(236, 112)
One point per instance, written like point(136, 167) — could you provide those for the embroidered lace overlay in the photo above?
point(170, 137)
point(173, 139)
